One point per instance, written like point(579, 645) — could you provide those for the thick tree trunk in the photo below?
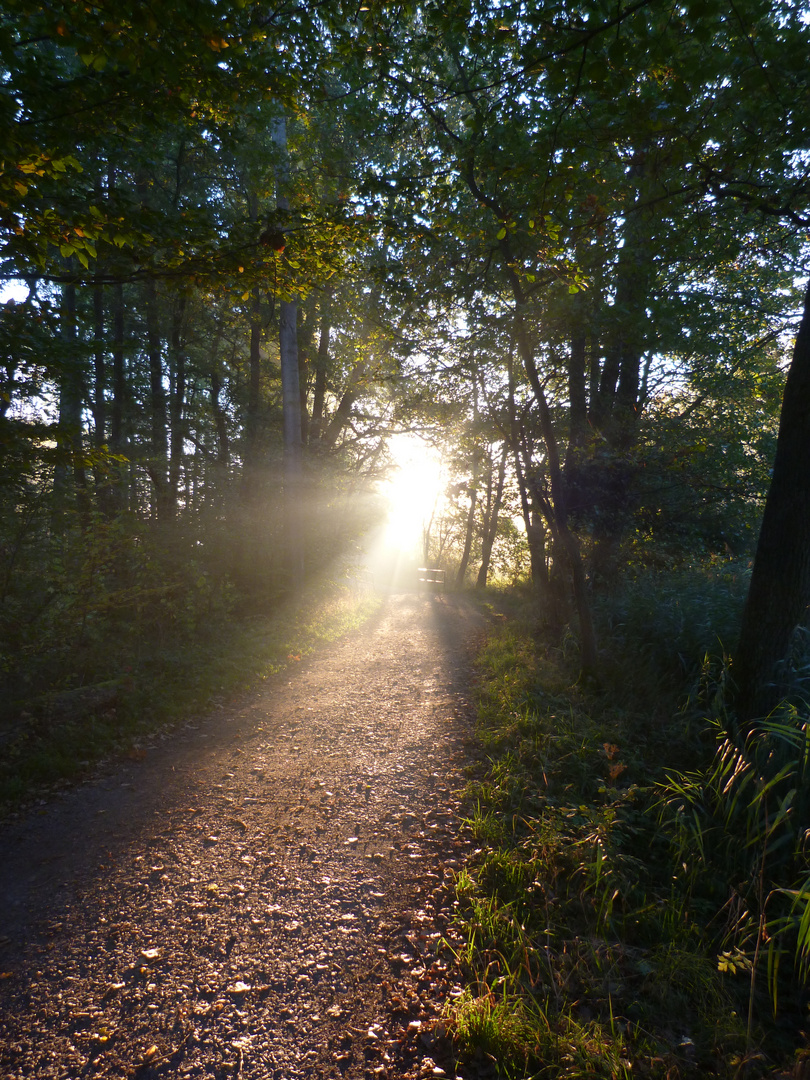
point(288, 343)
point(306, 315)
point(779, 593)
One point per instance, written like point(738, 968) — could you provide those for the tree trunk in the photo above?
point(159, 436)
point(177, 405)
point(344, 409)
point(252, 433)
point(119, 384)
point(491, 519)
point(305, 336)
point(99, 367)
point(614, 410)
point(577, 397)
point(534, 528)
point(470, 529)
point(321, 363)
point(566, 538)
point(291, 394)
point(779, 592)
point(221, 425)
point(71, 390)
point(473, 491)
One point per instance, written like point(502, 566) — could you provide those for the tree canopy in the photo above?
point(563, 242)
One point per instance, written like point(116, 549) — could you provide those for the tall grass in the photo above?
point(640, 903)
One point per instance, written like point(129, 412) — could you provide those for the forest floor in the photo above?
point(264, 891)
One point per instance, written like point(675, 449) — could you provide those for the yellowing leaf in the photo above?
point(501, 234)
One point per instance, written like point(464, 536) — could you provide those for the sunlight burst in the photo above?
point(414, 491)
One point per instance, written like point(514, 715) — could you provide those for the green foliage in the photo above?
point(621, 916)
point(738, 827)
point(148, 658)
point(662, 626)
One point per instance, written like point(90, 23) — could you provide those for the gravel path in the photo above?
point(266, 892)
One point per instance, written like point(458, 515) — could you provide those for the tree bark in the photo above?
point(321, 363)
point(119, 384)
point(614, 411)
point(473, 491)
point(567, 540)
point(252, 430)
point(578, 399)
point(291, 393)
point(470, 528)
point(221, 425)
point(177, 405)
point(71, 392)
point(159, 436)
point(779, 592)
point(344, 410)
point(491, 518)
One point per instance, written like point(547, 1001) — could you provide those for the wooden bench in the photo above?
point(430, 578)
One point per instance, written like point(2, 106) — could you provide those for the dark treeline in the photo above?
point(566, 244)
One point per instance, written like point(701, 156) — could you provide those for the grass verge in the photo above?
point(60, 737)
point(583, 954)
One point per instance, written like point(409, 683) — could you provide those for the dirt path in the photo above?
point(264, 895)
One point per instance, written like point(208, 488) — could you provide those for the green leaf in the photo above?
point(501, 234)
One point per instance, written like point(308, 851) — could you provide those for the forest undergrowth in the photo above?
point(638, 906)
point(132, 636)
